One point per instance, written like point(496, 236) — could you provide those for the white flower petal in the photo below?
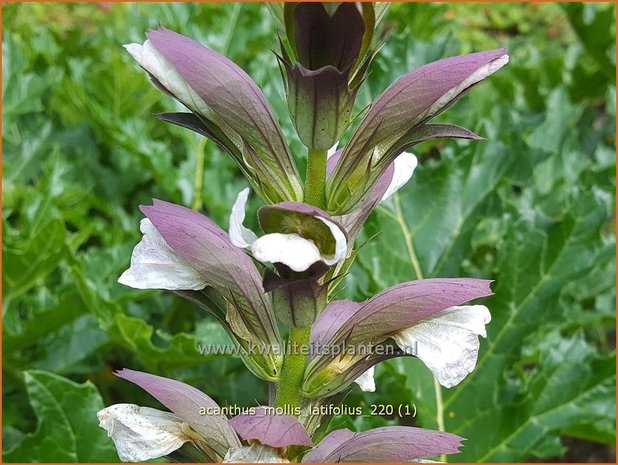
point(142, 433)
point(366, 381)
point(332, 151)
point(256, 453)
point(405, 164)
point(341, 243)
point(290, 249)
point(448, 342)
point(154, 265)
point(136, 51)
point(153, 61)
point(239, 235)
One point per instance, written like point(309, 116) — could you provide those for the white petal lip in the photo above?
point(341, 243)
point(448, 342)
point(366, 381)
point(239, 235)
point(293, 250)
point(154, 265)
point(153, 61)
point(142, 433)
point(255, 453)
point(405, 164)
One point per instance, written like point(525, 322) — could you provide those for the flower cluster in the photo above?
point(258, 286)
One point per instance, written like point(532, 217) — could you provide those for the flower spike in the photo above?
point(286, 276)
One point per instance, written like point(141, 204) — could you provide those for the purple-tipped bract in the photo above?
point(271, 429)
point(386, 444)
point(186, 402)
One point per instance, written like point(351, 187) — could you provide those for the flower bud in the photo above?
point(325, 55)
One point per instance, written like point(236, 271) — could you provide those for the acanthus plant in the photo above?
point(258, 286)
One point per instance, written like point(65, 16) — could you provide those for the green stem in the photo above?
point(315, 183)
point(293, 371)
point(198, 180)
point(231, 27)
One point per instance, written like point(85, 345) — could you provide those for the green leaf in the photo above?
point(528, 298)
point(571, 387)
point(33, 258)
point(26, 89)
point(40, 324)
point(137, 336)
point(594, 27)
point(67, 428)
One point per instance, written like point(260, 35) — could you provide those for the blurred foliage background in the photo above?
point(532, 207)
